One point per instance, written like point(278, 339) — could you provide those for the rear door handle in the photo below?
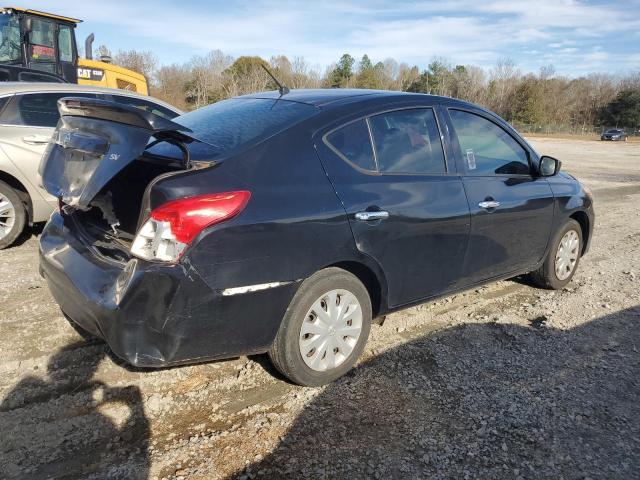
point(377, 215)
point(489, 204)
point(36, 139)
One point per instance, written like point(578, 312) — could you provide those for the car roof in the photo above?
point(320, 97)
point(9, 88)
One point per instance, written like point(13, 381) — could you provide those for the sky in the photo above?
point(576, 37)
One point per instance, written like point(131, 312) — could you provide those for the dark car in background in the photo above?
point(615, 134)
point(287, 223)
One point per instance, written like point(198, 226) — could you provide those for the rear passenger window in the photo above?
point(36, 109)
point(408, 141)
point(146, 106)
point(486, 148)
point(353, 144)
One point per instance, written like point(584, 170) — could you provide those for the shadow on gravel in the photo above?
point(478, 401)
point(30, 231)
point(69, 425)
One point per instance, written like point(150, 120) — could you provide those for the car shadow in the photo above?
point(67, 424)
point(29, 231)
point(490, 400)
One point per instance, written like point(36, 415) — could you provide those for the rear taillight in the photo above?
point(173, 225)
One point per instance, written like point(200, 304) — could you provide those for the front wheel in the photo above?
point(324, 330)
point(563, 258)
point(13, 215)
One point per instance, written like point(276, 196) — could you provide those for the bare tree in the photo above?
point(144, 62)
point(206, 78)
point(503, 80)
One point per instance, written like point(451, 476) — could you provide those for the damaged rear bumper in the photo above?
point(155, 315)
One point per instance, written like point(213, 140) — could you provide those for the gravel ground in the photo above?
point(504, 381)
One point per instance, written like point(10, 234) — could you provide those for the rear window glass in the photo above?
point(146, 106)
point(353, 144)
point(231, 124)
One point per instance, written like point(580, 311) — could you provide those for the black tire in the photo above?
point(285, 352)
point(545, 276)
point(20, 216)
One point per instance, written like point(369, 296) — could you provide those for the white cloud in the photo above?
point(464, 31)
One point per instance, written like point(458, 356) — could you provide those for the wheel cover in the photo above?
point(330, 330)
point(567, 254)
point(7, 216)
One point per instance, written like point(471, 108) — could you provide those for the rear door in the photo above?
point(511, 208)
point(28, 122)
point(405, 203)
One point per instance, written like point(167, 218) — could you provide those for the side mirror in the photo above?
point(28, 25)
point(549, 166)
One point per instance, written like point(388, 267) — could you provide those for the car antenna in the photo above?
point(283, 89)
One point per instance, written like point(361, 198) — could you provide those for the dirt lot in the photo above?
point(505, 381)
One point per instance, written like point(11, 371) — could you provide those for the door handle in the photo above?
point(36, 139)
point(489, 204)
point(377, 215)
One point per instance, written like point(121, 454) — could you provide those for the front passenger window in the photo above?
point(486, 148)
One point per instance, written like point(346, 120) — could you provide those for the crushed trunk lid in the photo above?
point(94, 140)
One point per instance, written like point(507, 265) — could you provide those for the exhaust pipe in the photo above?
point(88, 47)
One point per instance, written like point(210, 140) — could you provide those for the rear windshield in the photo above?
point(232, 124)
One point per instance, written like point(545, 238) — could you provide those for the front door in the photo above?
point(511, 208)
point(406, 208)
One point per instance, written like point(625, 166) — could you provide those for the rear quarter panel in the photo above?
point(292, 226)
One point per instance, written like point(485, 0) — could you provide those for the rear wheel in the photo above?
point(13, 215)
point(563, 258)
point(324, 329)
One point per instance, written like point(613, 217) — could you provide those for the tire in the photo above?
point(314, 293)
point(13, 216)
point(547, 275)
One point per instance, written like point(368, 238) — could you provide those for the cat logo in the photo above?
point(114, 156)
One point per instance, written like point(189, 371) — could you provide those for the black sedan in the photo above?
point(288, 223)
point(615, 134)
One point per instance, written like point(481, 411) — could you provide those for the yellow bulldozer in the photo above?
point(40, 46)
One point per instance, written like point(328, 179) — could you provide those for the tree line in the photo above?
point(543, 100)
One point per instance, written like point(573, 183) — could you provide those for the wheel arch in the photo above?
point(583, 220)
point(373, 281)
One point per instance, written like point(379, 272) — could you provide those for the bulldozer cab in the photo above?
point(39, 41)
point(39, 46)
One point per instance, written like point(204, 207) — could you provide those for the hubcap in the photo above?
point(7, 216)
point(330, 330)
point(567, 254)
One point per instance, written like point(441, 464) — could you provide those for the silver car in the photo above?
point(28, 116)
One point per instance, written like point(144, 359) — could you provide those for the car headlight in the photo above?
point(587, 191)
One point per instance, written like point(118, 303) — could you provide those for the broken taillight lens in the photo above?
point(172, 226)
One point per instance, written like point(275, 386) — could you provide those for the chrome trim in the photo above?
point(365, 216)
point(489, 204)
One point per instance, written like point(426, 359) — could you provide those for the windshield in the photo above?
point(9, 38)
point(231, 124)
point(614, 130)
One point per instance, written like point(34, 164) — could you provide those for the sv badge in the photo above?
point(114, 156)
